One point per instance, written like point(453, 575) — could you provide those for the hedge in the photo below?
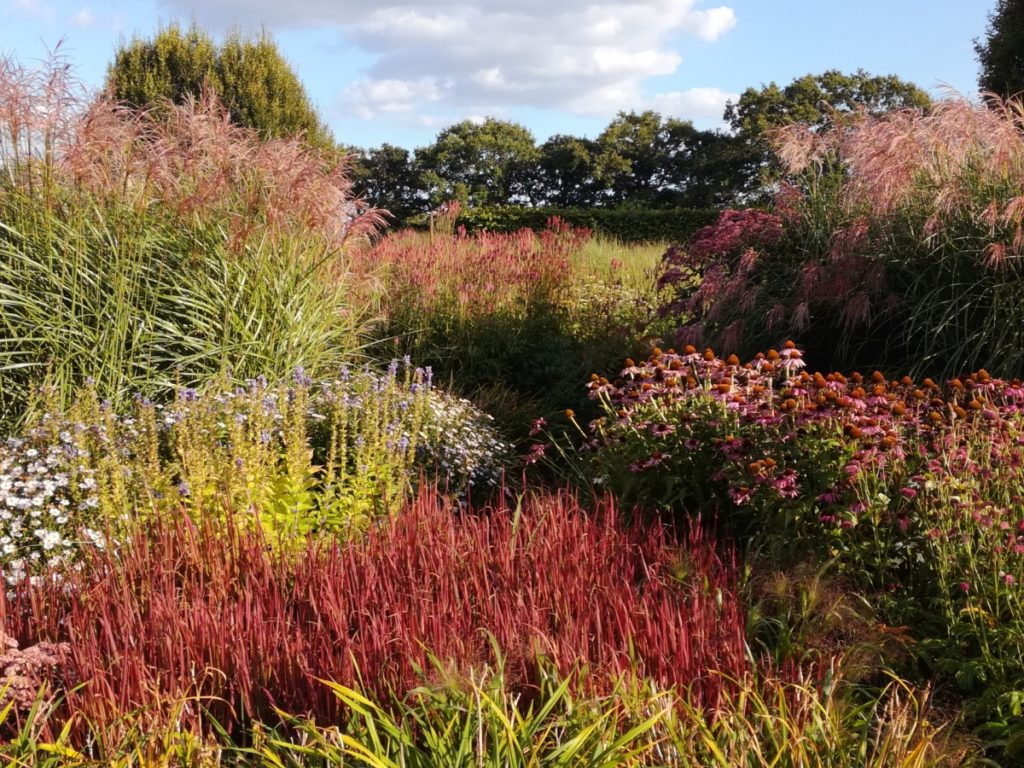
point(626, 224)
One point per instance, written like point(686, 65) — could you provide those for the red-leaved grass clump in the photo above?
point(182, 610)
point(896, 241)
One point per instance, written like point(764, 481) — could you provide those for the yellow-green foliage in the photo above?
point(766, 723)
point(248, 74)
point(295, 458)
point(630, 265)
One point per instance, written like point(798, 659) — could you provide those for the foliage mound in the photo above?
point(296, 458)
point(913, 489)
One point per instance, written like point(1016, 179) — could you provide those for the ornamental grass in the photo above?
point(193, 610)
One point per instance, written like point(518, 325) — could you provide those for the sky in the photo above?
point(399, 71)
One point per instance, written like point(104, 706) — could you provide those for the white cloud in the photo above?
point(704, 104)
point(461, 57)
point(711, 24)
point(84, 18)
point(415, 27)
point(38, 9)
point(489, 78)
point(371, 97)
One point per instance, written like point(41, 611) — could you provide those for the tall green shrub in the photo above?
point(248, 74)
point(625, 224)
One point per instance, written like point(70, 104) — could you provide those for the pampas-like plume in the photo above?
point(189, 158)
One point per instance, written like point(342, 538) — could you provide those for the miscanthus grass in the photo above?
point(155, 248)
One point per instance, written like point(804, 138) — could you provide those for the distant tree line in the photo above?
point(640, 160)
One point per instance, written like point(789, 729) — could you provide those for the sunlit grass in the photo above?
point(610, 260)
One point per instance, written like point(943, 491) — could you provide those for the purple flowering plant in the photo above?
point(692, 432)
point(300, 457)
point(970, 497)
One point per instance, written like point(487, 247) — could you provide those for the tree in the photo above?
point(255, 83)
point(812, 99)
point(642, 159)
point(565, 174)
point(488, 163)
point(717, 171)
point(387, 177)
point(1001, 55)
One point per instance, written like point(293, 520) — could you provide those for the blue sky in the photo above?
point(398, 71)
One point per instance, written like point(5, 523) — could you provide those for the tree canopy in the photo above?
point(566, 172)
point(642, 156)
point(389, 177)
point(248, 74)
point(1001, 54)
point(812, 99)
point(480, 163)
point(640, 159)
